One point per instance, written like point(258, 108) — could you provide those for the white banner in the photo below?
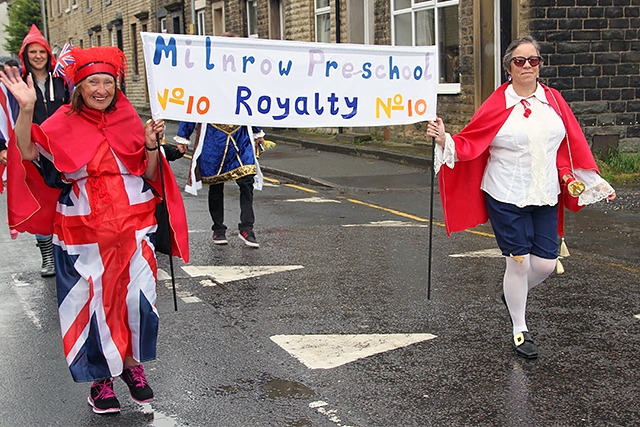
point(272, 83)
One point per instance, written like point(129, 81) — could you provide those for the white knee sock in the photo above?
point(515, 289)
point(539, 269)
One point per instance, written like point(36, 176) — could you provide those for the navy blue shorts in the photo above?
point(528, 230)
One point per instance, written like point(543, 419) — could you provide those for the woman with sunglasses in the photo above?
point(521, 160)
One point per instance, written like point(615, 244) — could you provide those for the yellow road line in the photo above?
point(271, 180)
point(615, 265)
point(297, 187)
point(413, 217)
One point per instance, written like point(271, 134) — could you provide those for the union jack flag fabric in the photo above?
point(104, 250)
point(8, 114)
point(65, 58)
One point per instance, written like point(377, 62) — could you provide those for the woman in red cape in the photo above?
point(100, 167)
point(515, 163)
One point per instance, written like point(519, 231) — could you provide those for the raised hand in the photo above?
point(24, 92)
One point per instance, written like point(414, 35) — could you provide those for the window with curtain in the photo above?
point(252, 18)
point(430, 23)
point(323, 21)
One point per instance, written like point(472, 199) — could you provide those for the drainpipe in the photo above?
point(338, 21)
point(43, 12)
point(340, 130)
point(193, 16)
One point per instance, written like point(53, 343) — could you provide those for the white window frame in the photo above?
point(253, 32)
point(201, 23)
point(419, 6)
point(320, 11)
point(163, 25)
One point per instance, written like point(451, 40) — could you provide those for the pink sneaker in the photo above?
point(137, 382)
point(102, 398)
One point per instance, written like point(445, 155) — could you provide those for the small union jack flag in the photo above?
point(64, 60)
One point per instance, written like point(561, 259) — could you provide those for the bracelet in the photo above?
point(151, 149)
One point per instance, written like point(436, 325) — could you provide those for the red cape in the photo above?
point(462, 199)
point(73, 140)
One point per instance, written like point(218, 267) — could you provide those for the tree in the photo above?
point(22, 14)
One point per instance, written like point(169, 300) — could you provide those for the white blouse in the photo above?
point(521, 169)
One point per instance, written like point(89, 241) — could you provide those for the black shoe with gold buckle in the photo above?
point(524, 345)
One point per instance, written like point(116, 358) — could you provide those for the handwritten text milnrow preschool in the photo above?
point(286, 85)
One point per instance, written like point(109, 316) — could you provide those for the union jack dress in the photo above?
point(88, 192)
point(104, 233)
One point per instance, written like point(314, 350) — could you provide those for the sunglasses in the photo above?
point(519, 61)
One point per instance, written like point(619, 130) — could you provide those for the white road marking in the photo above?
point(190, 299)
point(313, 200)
point(637, 316)
point(329, 351)
point(388, 223)
point(225, 274)
point(484, 253)
point(163, 275)
point(322, 408)
point(207, 282)
point(25, 302)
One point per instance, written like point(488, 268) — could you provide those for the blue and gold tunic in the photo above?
point(223, 153)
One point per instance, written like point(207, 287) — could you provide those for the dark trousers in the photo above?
point(216, 204)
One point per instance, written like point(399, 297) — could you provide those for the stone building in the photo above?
point(591, 48)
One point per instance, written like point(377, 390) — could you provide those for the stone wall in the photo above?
point(591, 50)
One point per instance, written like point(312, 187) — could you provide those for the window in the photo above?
point(98, 39)
point(252, 18)
point(200, 19)
point(323, 21)
point(134, 49)
point(175, 23)
point(112, 37)
point(163, 25)
point(429, 23)
point(74, 4)
point(218, 18)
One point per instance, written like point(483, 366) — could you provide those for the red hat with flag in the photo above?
point(96, 60)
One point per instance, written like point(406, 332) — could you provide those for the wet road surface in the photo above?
point(327, 323)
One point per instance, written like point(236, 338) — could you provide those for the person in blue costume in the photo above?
point(225, 153)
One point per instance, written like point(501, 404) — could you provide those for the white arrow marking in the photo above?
point(389, 223)
point(313, 200)
point(485, 253)
point(329, 351)
point(224, 274)
point(163, 275)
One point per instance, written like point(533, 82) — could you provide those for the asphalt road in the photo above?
point(328, 322)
